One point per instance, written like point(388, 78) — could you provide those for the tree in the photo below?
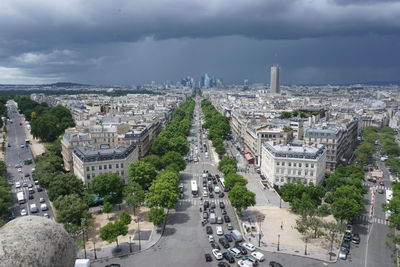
point(125, 217)
point(71, 209)
point(241, 198)
point(162, 194)
point(107, 207)
point(345, 208)
point(45, 127)
point(112, 230)
point(179, 144)
point(154, 160)
point(172, 157)
point(108, 185)
point(3, 168)
point(65, 184)
point(157, 215)
point(143, 173)
point(134, 195)
point(168, 176)
point(231, 179)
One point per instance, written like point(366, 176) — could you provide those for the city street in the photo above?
point(17, 152)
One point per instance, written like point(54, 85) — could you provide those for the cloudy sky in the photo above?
point(137, 41)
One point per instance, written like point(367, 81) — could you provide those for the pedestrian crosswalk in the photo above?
point(366, 218)
point(377, 186)
point(197, 201)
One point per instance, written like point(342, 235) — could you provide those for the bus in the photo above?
point(21, 197)
point(195, 189)
point(389, 195)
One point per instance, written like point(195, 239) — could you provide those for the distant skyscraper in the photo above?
point(274, 84)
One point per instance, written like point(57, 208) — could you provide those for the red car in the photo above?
point(381, 183)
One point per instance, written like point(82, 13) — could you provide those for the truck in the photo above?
point(21, 197)
point(236, 235)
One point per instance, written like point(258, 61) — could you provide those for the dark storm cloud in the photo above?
point(67, 38)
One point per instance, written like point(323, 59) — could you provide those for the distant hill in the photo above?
point(65, 84)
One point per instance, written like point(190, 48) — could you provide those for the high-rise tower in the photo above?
point(274, 84)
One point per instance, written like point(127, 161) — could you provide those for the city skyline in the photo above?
point(135, 43)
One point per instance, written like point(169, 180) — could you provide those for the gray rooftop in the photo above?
point(326, 130)
point(289, 151)
point(88, 154)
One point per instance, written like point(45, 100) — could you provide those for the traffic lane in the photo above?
point(378, 253)
point(380, 199)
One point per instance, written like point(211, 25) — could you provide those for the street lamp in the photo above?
point(138, 219)
point(94, 249)
point(130, 244)
point(305, 248)
point(279, 236)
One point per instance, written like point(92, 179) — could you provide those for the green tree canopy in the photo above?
point(71, 209)
point(231, 179)
point(65, 184)
point(112, 230)
point(241, 198)
point(125, 217)
point(143, 173)
point(109, 186)
point(157, 215)
point(134, 195)
point(175, 158)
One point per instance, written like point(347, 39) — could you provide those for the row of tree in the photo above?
point(301, 112)
point(217, 126)
point(241, 198)
point(5, 193)
point(393, 208)
point(47, 123)
point(366, 149)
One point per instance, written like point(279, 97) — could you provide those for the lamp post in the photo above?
point(140, 247)
point(305, 248)
point(279, 236)
point(94, 249)
point(130, 244)
point(84, 242)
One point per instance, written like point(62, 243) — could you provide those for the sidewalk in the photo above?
point(37, 147)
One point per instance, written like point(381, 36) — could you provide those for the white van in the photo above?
point(33, 208)
point(219, 230)
point(258, 255)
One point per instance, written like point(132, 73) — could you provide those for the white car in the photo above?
point(23, 212)
point(245, 263)
point(211, 238)
point(258, 255)
point(17, 184)
point(41, 200)
point(46, 215)
point(19, 170)
point(343, 253)
point(217, 254)
point(219, 230)
point(249, 246)
point(33, 208)
point(205, 194)
point(43, 207)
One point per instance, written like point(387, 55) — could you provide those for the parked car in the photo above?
point(275, 264)
point(46, 215)
point(235, 252)
point(258, 255)
point(224, 243)
point(206, 204)
point(211, 195)
point(223, 264)
point(219, 230)
point(355, 239)
point(221, 195)
point(219, 220)
point(227, 219)
point(205, 215)
point(229, 226)
point(217, 254)
point(249, 246)
point(212, 205)
point(251, 259)
point(23, 212)
point(245, 263)
point(17, 184)
point(345, 244)
point(221, 205)
point(229, 257)
point(215, 245)
point(343, 253)
point(242, 249)
point(347, 237)
point(208, 257)
point(228, 237)
point(41, 200)
point(209, 230)
point(211, 238)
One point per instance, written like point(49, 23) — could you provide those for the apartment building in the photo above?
point(89, 162)
point(142, 136)
point(72, 138)
point(282, 164)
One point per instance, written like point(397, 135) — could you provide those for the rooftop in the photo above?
point(88, 154)
point(290, 151)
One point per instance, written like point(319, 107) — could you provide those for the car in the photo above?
point(209, 230)
point(355, 239)
point(33, 208)
point(343, 253)
point(245, 263)
point(381, 183)
point(31, 191)
point(18, 166)
point(30, 185)
point(27, 175)
point(113, 265)
point(381, 191)
point(235, 252)
point(219, 220)
point(212, 205)
point(223, 211)
point(224, 243)
point(208, 257)
point(345, 244)
point(242, 249)
point(41, 200)
point(9, 145)
point(19, 170)
point(205, 215)
point(217, 254)
point(23, 212)
point(181, 196)
point(221, 205)
point(211, 238)
point(212, 211)
point(46, 215)
point(36, 182)
point(275, 264)
point(349, 228)
point(25, 185)
point(17, 184)
point(215, 245)
point(228, 237)
point(258, 255)
point(250, 258)
point(221, 195)
point(22, 146)
point(211, 195)
point(223, 264)
point(31, 196)
point(227, 219)
point(206, 204)
point(229, 226)
point(43, 207)
point(219, 230)
point(205, 194)
point(249, 246)
point(347, 237)
point(229, 257)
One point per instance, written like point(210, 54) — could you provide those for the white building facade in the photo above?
point(282, 164)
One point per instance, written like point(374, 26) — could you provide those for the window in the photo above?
point(282, 179)
point(87, 168)
point(92, 168)
point(277, 179)
point(306, 172)
point(311, 173)
point(88, 176)
point(122, 165)
point(105, 166)
point(300, 165)
point(122, 172)
point(283, 163)
point(289, 171)
point(277, 163)
point(312, 165)
point(294, 164)
point(299, 172)
point(110, 166)
point(100, 167)
point(306, 165)
point(117, 165)
point(117, 172)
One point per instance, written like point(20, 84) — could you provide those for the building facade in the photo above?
point(282, 164)
point(90, 162)
point(274, 84)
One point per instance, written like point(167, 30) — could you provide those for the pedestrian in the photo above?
point(282, 225)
